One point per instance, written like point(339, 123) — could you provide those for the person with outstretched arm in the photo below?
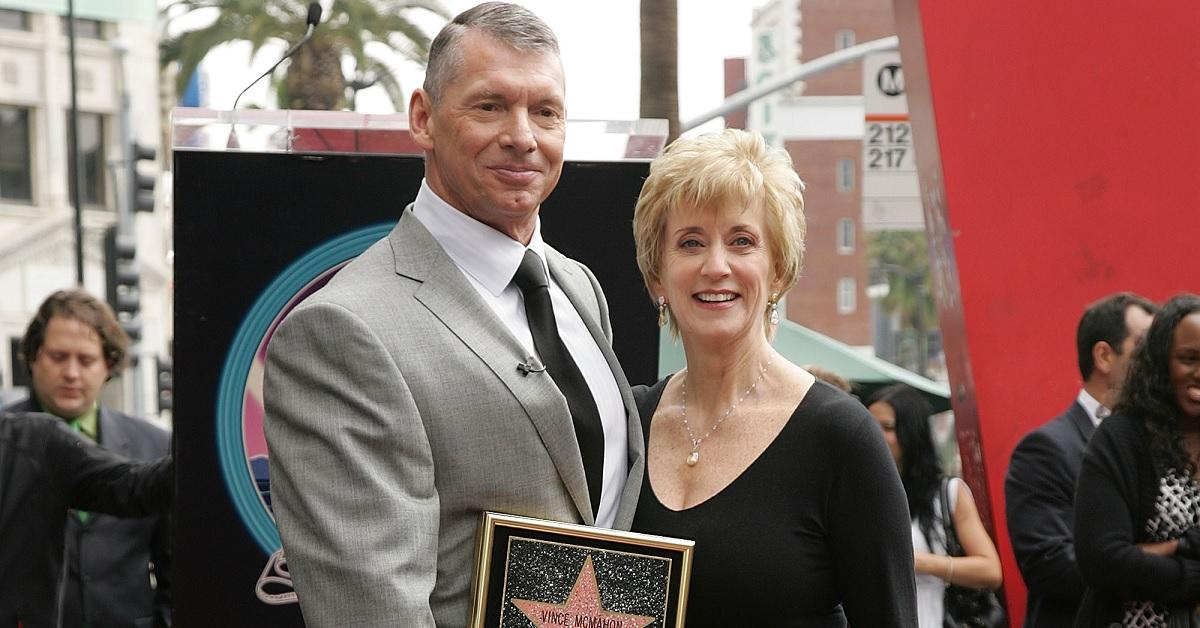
point(45, 469)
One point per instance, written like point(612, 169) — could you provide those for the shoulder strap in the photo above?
point(953, 548)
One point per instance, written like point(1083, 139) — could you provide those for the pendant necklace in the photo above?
point(694, 456)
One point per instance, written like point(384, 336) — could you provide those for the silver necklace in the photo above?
point(694, 456)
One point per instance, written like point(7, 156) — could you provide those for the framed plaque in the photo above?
point(533, 573)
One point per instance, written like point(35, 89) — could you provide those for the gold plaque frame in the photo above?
point(555, 569)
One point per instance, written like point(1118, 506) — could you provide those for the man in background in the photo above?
point(116, 569)
point(1040, 488)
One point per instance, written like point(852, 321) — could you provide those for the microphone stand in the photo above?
point(232, 142)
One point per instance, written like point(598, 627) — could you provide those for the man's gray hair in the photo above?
point(507, 23)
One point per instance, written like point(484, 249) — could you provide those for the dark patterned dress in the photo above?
point(1176, 509)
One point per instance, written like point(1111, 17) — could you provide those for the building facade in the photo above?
point(819, 122)
point(116, 56)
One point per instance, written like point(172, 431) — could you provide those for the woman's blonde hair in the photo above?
point(730, 168)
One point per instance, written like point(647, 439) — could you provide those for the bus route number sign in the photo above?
point(888, 147)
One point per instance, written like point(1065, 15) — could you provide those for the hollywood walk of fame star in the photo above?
point(582, 607)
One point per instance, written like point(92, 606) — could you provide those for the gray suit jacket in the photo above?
point(395, 414)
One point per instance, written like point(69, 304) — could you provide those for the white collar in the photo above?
point(487, 255)
point(1095, 410)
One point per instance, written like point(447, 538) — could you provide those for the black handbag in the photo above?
point(966, 607)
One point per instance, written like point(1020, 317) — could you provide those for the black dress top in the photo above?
point(1121, 495)
point(815, 532)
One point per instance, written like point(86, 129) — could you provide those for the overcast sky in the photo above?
point(599, 42)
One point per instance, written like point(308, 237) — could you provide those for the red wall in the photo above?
point(1057, 148)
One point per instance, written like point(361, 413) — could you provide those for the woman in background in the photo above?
point(903, 415)
point(783, 482)
point(1137, 503)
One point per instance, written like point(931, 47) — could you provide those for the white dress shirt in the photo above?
point(489, 260)
point(1095, 410)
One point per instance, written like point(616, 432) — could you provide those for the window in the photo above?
point(847, 297)
point(92, 153)
point(14, 20)
point(84, 28)
point(845, 236)
point(845, 176)
point(844, 39)
point(766, 48)
point(16, 158)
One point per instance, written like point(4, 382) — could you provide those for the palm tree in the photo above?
point(659, 33)
point(314, 78)
point(903, 256)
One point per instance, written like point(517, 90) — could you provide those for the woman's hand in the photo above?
point(1162, 548)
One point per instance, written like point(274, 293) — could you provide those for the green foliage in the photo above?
point(903, 258)
point(349, 29)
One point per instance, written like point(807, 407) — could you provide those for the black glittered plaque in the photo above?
point(533, 573)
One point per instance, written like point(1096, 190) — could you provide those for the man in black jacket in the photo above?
point(1039, 490)
point(45, 468)
point(71, 347)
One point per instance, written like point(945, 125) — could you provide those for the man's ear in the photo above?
point(420, 118)
point(1103, 356)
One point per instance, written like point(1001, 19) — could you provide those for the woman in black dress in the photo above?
point(784, 483)
point(1137, 503)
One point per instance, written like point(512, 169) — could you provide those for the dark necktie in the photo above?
point(531, 279)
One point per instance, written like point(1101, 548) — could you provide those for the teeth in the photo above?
point(716, 298)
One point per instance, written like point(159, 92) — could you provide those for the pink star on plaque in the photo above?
point(582, 607)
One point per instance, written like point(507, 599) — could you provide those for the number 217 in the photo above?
point(885, 158)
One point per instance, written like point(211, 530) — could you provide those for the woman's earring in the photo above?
point(662, 311)
point(774, 306)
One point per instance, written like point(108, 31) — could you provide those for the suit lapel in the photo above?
point(571, 279)
point(1082, 422)
point(449, 296)
point(113, 435)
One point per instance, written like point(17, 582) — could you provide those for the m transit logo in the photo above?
point(890, 80)
point(891, 193)
point(889, 136)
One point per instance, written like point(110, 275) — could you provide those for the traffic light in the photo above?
point(141, 184)
point(166, 385)
point(121, 279)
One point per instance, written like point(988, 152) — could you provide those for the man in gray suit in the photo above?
point(423, 385)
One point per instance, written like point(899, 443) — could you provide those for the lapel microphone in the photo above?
point(530, 365)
